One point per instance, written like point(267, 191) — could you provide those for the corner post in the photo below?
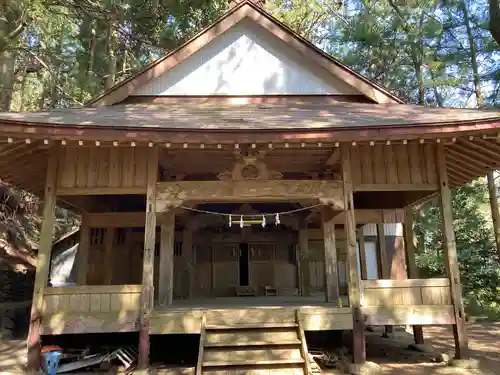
point(148, 259)
point(359, 350)
point(109, 239)
point(362, 253)
point(43, 262)
point(383, 264)
point(187, 255)
point(83, 252)
point(451, 261)
point(166, 266)
point(304, 274)
point(411, 266)
point(495, 212)
point(331, 275)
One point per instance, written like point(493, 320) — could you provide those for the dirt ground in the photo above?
point(391, 354)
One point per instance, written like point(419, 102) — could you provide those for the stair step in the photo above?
point(251, 355)
point(251, 362)
point(268, 336)
point(249, 326)
point(250, 316)
point(295, 370)
point(252, 343)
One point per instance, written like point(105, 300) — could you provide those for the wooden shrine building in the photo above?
point(225, 185)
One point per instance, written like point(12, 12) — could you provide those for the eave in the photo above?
point(75, 132)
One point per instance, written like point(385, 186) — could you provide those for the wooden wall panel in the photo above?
point(286, 278)
point(92, 299)
point(317, 274)
point(102, 167)
point(225, 278)
point(394, 164)
point(406, 292)
point(261, 274)
point(202, 286)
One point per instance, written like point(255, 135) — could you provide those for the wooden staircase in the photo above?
point(248, 347)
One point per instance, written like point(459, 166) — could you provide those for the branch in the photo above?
point(14, 33)
point(51, 72)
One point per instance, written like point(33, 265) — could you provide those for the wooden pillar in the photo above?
point(411, 265)
point(304, 272)
point(383, 262)
point(166, 266)
point(331, 271)
point(362, 253)
point(109, 239)
point(148, 259)
point(43, 262)
point(398, 264)
point(187, 255)
point(359, 350)
point(83, 252)
point(495, 213)
point(451, 262)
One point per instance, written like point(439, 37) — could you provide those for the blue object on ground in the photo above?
point(51, 360)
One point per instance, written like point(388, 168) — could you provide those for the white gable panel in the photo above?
point(246, 60)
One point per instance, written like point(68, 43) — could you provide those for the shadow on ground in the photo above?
point(391, 354)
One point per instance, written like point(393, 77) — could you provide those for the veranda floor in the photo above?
point(316, 300)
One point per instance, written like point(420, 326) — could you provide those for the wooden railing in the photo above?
point(414, 301)
point(92, 299)
point(406, 292)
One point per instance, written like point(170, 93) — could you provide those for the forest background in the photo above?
point(61, 53)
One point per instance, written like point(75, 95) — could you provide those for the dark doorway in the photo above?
point(244, 280)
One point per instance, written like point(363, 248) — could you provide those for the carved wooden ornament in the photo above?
point(249, 168)
point(174, 193)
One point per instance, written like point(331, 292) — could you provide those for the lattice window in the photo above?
point(178, 249)
point(261, 252)
point(120, 236)
point(226, 253)
point(286, 254)
point(97, 236)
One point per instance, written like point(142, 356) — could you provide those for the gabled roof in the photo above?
point(254, 117)
point(245, 10)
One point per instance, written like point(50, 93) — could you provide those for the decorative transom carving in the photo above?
point(249, 167)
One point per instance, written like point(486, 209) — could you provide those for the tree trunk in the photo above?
point(418, 56)
point(21, 93)
point(495, 213)
point(495, 19)
point(6, 80)
point(111, 41)
point(473, 55)
point(55, 78)
point(420, 80)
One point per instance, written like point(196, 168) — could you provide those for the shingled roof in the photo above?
point(211, 116)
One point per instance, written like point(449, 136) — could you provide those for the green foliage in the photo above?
point(478, 261)
point(68, 50)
